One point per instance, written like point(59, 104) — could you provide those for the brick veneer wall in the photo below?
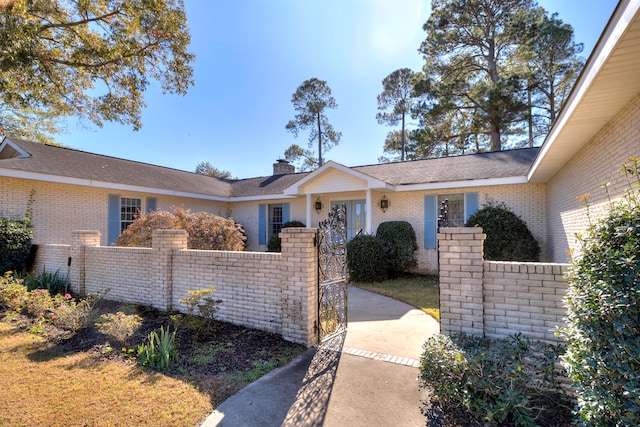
point(275, 292)
point(496, 299)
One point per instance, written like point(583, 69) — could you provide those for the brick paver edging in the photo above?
point(399, 360)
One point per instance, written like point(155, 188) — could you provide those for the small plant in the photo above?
point(55, 283)
point(366, 259)
point(119, 325)
point(159, 351)
point(500, 382)
point(13, 294)
point(202, 308)
point(73, 315)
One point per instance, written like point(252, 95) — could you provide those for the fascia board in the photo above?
point(603, 50)
point(462, 184)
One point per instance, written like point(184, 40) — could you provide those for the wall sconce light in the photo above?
point(384, 204)
point(318, 205)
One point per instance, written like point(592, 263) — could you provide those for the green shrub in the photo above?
point(603, 324)
point(499, 382)
point(366, 259)
point(52, 282)
point(204, 230)
point(71, 314)
point(159, 350)
point(15, 244)
point(400, 245)
point(508, 237)
point(202, 308)
point(275, 243)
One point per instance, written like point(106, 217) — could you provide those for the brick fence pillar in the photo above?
point(164, 243)
point(80, 239)
point(461, 260)
point(299, 285)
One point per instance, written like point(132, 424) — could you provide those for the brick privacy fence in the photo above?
point(274, 292)
point(496, 299)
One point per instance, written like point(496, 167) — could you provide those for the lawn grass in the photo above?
point(422, 292)
point(78, 389)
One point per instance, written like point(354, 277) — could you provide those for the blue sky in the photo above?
point(251, 57)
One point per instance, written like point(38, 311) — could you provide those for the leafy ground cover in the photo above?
point(54, 378)
point(422, 292)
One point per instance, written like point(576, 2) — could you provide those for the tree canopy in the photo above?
point(310, 101)
point(90, 59)
point(206, 168)
point(493, 70)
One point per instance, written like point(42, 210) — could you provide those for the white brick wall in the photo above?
point(497, 299)
point(600, 161)
point(275, 292)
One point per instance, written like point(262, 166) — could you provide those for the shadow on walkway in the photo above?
point(295, 395)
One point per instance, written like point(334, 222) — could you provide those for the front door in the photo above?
point(356, 216)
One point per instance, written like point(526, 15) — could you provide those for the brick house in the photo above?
point(597, 131)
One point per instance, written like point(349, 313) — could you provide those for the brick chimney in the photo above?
point(283, 167)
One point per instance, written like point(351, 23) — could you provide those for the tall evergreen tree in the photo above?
point(395, 102)
point(310, 100)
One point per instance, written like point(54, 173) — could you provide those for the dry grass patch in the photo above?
point(78, 389)
point(422, 292)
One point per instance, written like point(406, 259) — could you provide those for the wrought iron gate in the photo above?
point(332, 277)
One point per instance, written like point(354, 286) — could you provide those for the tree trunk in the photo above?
point(530, 118)
point(319, 141)
point(495, 138)
point(402, 141)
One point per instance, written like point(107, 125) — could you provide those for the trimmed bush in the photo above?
point(15, 244)
point(204, 230)
point(603, 324)
point(499, 382)
point(400, 245)
point(366, 259)
point(275, 242)
point(508, 237)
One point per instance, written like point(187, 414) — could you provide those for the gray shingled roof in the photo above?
point(265, 185)
point(66, 162)
point(498, 164)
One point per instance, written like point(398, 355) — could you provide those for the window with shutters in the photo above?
point(129, 210)
point(456, 208)
point(275, 219)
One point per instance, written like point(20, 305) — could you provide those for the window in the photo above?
point(456, 208)
point(275, 219)
point(461, 207)
point(270, 220)
point(129, 210)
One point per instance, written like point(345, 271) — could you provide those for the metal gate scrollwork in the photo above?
point(332, 263)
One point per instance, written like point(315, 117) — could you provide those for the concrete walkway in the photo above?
point(366, 378)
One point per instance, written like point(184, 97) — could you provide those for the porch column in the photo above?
point(308, 211)
point(369, 210)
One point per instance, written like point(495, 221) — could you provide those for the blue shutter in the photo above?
point(471, 205)
point(262, 224)
point(286, 210)
point(151, 204)
point(113, 229)
point(430, 221)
